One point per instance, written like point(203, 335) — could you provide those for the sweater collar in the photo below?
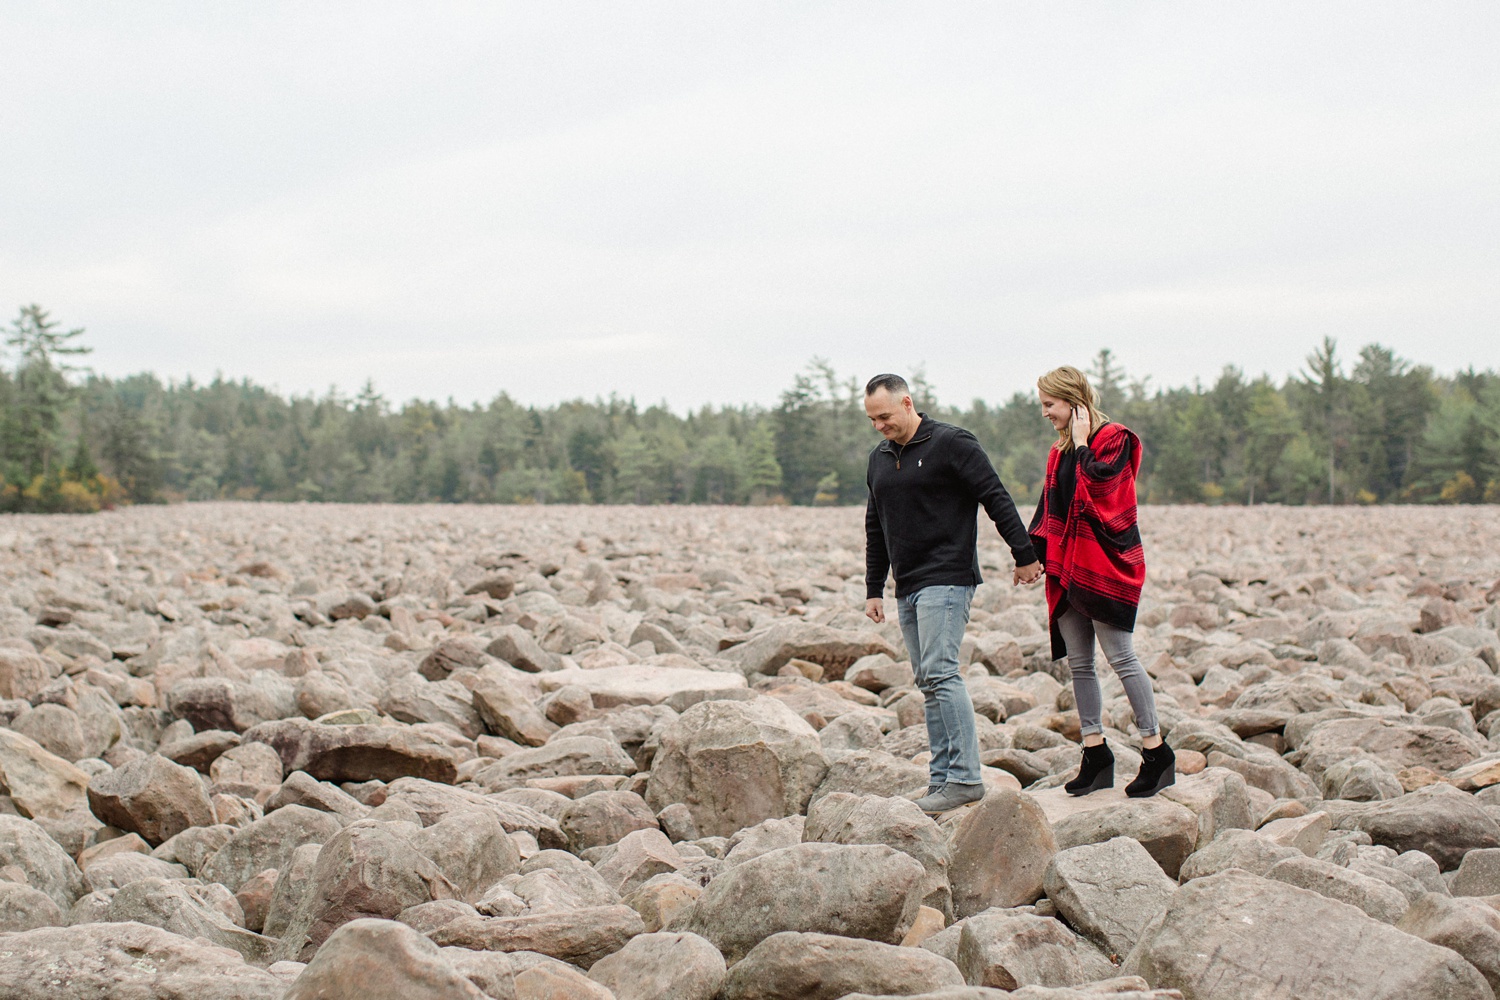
point(922, 433)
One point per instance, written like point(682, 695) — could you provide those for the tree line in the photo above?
point(1374, 428)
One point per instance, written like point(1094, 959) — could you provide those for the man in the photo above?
point(927, 480)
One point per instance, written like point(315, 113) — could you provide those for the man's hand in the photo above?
point(875, 610)
point(1028, 574)
point(1081, 426)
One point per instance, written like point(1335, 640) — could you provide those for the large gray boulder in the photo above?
point(802, 966)
point(1438, 820)
point(1229, 936)
point(1109, 892)
point(414, 699)
point(652, 966)
point(118, 870)
point(639, 857)
point(1468, 926)
point(251, 770)
point(293, 881)
point(180, 907)
point(268, 843)
point(602, 818)
point(519, 648)
point(1218, 797)
point(865, 891)
point(1360, 779)
point(471, 848)
point(762, 838)
point(1396, 744)
point(842, 818)
point(1370, 894)
point(126, 961)
point(1478, 874)
point(194, 846)
point(872, 772)
point(365, 870)
point(224, 703)
point(47, 866)
point(39, 782)
point(1010, 950)
point(999, 853)
point(302, 789)
point(23, 674)
point(1168, 831)
point(506, 710)
point(151, 796)
point(372, 959)
point(56, 728)
point(1236, 848)
point(735, 763)
point(492, 971)
point(23, 908)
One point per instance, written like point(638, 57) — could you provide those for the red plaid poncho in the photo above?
point(1085, 531)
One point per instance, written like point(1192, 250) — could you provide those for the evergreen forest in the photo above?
point(1364, 428)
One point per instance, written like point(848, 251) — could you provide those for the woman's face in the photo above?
point(1057, 412)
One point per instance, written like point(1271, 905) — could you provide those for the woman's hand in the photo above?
point(1081, 426)
point(1027, 575)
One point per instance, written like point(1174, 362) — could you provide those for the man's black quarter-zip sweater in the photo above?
point(921, 518)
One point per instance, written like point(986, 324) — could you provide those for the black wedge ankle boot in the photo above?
point(1097, 771)
point(1158, 770)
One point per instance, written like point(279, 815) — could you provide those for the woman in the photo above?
point(1085, 533)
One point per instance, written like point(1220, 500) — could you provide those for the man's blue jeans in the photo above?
point(932, 623)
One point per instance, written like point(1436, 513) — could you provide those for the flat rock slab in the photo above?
point(356, 753)
point(642, 684)
point(580, 937)
point(833, 649)
point(797, 966)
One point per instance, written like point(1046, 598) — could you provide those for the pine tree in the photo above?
point(41, 389)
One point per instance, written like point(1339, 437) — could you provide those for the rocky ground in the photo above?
point(394, 752)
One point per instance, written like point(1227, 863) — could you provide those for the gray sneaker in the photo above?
point(951, 797)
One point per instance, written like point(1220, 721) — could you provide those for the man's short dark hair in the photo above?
point(894, 384)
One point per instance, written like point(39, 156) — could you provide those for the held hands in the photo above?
point(1028, 574)
point(1081, 426)
point(875, 610)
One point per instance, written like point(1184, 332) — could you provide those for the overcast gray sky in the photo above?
point(687, 201)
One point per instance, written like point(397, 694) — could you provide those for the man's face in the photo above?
point(893, 416)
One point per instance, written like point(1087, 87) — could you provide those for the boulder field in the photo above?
point(540, 753)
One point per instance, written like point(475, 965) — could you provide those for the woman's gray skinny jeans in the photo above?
point(1078, 632)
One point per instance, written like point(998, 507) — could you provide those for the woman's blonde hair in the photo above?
point(1072, 387)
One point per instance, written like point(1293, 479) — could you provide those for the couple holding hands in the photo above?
point(926, 480)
